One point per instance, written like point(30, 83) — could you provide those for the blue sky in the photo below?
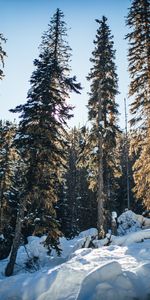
point(23, 21)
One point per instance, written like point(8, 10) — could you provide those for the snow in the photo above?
point(128, 223)
point(120, 271)
point(131, 222)
point(107, 282)
point(70, 246)
point(1, 237)
point(95, 150)
point(114, 216)
point(130, 238)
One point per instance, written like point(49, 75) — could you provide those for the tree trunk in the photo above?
point(2, 218)
point(100, 184)
point(16, 242)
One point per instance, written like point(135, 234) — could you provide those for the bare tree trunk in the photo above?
point(100, 184)
point(16, 242)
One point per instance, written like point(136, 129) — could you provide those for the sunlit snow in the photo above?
point(81, 273)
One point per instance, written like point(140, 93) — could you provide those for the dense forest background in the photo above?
point(58, 181)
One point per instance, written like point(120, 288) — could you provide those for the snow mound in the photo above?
point(106, 273)
point(107, 282)
point(119, 271)
point(128, 239)
point(34, 255)
point(34, 250)
point(132, 237)
point(128, 222)
point(83, 240)
point(131, 222)
point(93, 232)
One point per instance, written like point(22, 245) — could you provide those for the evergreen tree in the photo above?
point(103, 116)
point(140, 149)
point(2, 55)
point(142, 173)
point(68, 204)
point(8, 162)
point(122, 198)
point(77, 207)
point(41, 135)
point(88, 205)
point(138, 20)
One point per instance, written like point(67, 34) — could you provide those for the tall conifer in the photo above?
point(8, 202)
point(77, 205)
point(138, 20)
point(103, 116)
point(42, 129)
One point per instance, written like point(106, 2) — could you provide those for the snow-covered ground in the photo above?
point(108, 272)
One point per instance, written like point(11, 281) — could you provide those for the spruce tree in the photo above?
point(140, 150)
point(142, 173)
point(87, 213)
point(2, 55)
point(42, 128)
point(103, 116)
point(138, 20)
point(124, 145)
point(8, 203)
point(77, 206)
point(68, 204)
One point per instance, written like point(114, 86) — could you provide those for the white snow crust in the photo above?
point(120, 271)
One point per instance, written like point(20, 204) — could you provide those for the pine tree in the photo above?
point(140, 150)
point(8, 162)
point(41, 135)
point(87, 213)
point(122, 198)
point(142, 173)
point(2, 55)
point(103, 116)
point(68, 204)
point(138, 20)
point(77, 207)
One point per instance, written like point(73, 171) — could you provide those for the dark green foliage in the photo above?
point(141, 168)
point(8, 169)
point(2, 55)
point(138, 20)
point(103, 116)
point(41, 137)
point(124, 144)
point(77, 205)
point(68, 205)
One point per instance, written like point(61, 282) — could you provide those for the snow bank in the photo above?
point(128, 222)
point(128, 239)
point(33, 256)
point(119, 271)
point(133, 237)
point(131, 222)
point(34, 249)
point(107, 282)
point(81, 241)
point(113, 272)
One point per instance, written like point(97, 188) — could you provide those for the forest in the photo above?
point(59, 181)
